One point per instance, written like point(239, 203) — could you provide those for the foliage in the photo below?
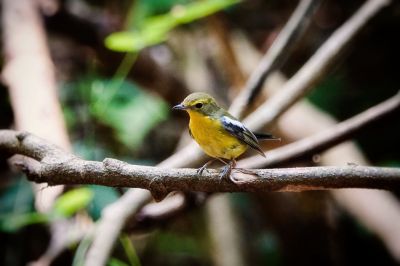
point(154, 30)
point(123, 106)
point(65, 206)
point(111, 116)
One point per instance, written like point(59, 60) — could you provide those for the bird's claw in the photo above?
point(204, 167)
point(226, 173)
point(201, 170)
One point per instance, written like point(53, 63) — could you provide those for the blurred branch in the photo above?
point(377, 210)
point(104, 234)
point(227, 244)
point(318, 142)
point(323, 140)
point(57, 167)
point(315, 68)
point(276, 54)
point(298, 86)
point(228, 59)
point(270, 111)
point(362, 204)
point(30, 77)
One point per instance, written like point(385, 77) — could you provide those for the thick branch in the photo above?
point(64, 168)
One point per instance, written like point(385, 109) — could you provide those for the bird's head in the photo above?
point(200, 103)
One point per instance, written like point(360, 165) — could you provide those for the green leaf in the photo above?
point(133, 41)
point(130, 112)
point(72, 201)
point(154, 30)
point(198, 10)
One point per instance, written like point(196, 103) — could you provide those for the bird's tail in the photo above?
point(265, 136)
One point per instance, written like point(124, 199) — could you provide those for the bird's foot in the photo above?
point(226, 172)
point(201, 170)
point(204, 167)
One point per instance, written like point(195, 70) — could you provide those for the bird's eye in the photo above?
point(198, 105)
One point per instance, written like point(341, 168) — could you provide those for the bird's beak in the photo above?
point(179, 107)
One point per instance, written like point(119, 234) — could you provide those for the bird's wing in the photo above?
point(265, 136)
point(238, 130)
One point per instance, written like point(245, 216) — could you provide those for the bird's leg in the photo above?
point(204, 167)
point(222, 161)
point(227, 169)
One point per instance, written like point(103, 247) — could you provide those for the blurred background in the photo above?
point(117, 67)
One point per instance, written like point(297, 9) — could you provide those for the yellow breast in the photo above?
point(213, 139)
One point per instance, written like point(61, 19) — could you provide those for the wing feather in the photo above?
point(238, 130)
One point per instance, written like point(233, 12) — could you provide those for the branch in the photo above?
point(298, 86)
point(315, 68)
point(117, 215)
point(292, 91)
point(56, 167)
point(276, 54)
point(362, 204)
point(33, 97)
point(325, 139)
point(317, 142)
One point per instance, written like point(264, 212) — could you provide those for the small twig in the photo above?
point(276, 54)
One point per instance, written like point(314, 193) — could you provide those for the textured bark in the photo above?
point(55, 166)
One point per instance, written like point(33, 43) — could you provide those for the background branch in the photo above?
point(276, 54)
point(34, 97)
point(296, 87)
point(315, 68)
point(357, 202)
point(290, 93)
point(322, 140)
point(307, 146)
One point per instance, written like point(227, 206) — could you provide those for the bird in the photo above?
point(219, 134)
